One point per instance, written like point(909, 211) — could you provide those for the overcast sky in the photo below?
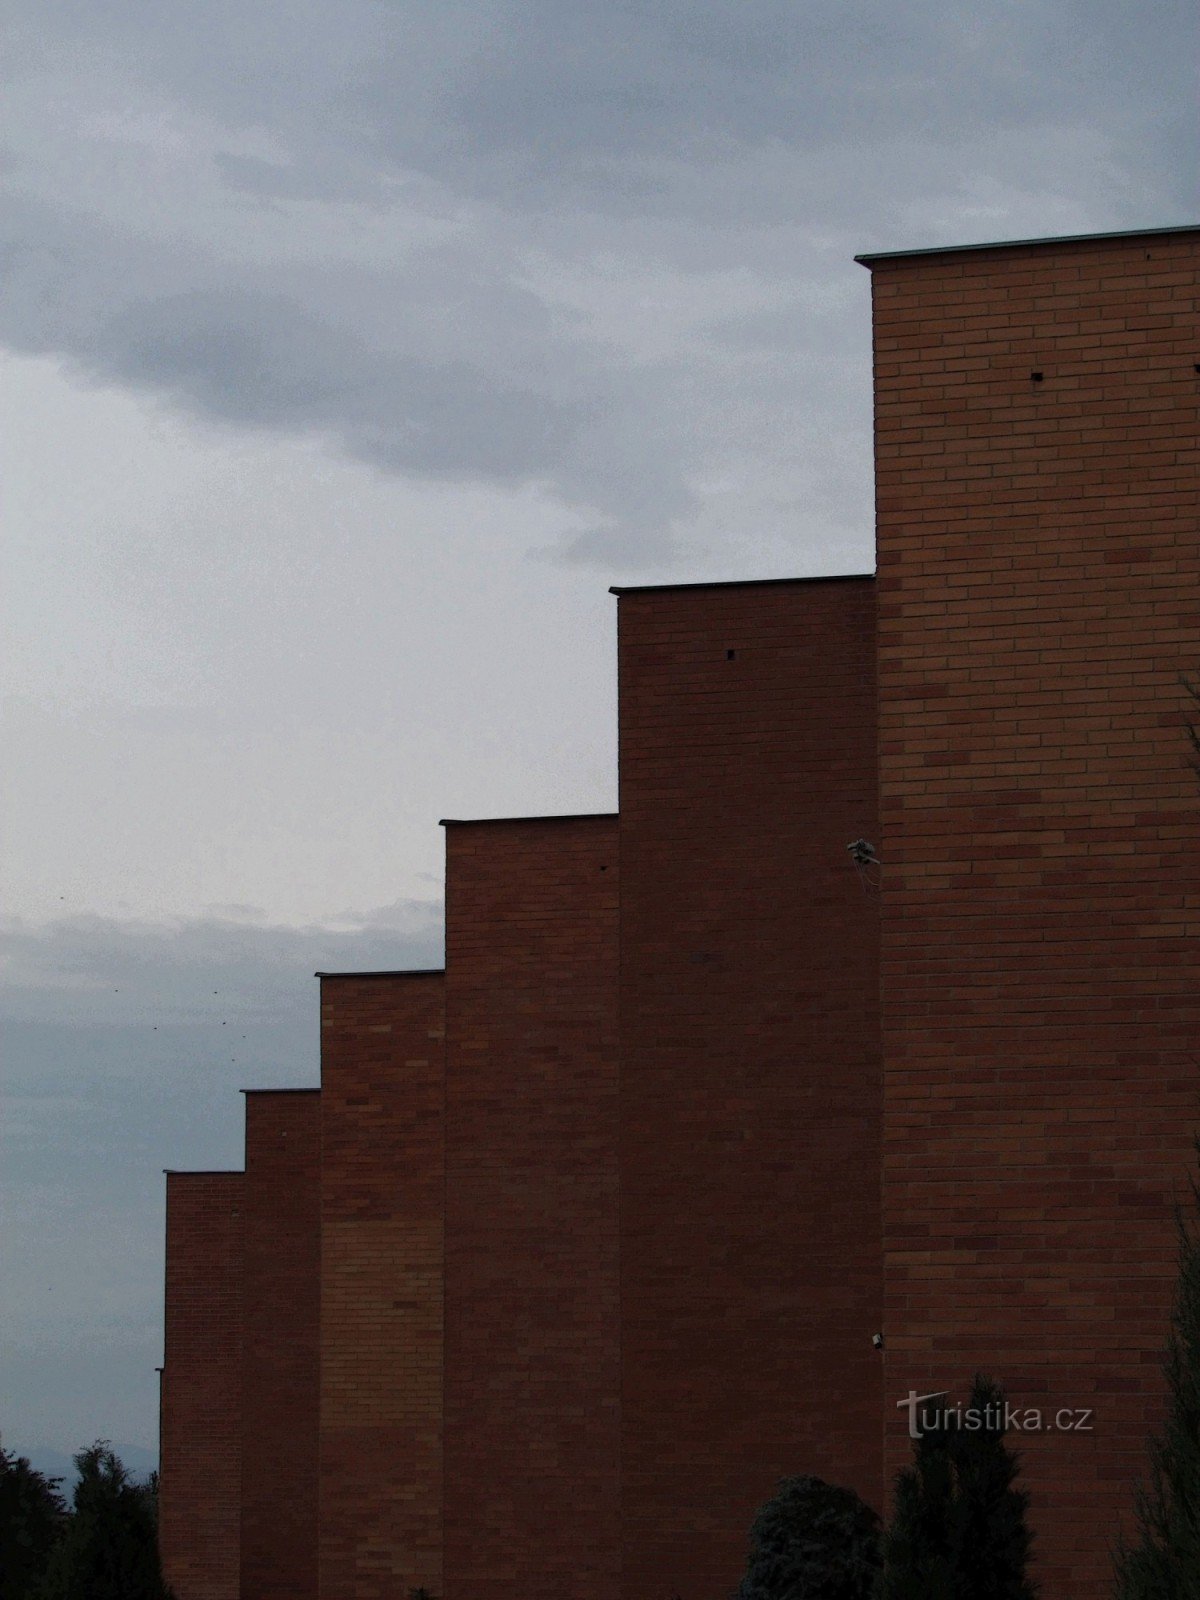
point(347, 355)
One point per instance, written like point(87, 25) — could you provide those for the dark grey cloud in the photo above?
point(395, 226)
point(260, 360)
point(170, 972)
point(609, 96)
point(320, 180)
point(527, 87)
point(452, 373)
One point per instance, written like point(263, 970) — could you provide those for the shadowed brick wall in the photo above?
point(750, 1257)
point(1039, 587)
point(382, 1203)
point(201, 1422)
point(281, 1237)
point(531, 1218)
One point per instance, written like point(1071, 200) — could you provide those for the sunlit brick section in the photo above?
point(382, 1200)
point(201, 1420)
point(531, 1210)
point(750, 1248)
point(1039, 587)
point(281, 1260)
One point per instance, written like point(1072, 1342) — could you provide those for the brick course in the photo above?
point(531, 1210)
point(281, 1239)
point(382, 1203)
point(750, 1256)
point(201, 1422)
point(1039, 593)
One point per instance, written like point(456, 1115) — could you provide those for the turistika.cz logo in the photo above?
point(928, 1414)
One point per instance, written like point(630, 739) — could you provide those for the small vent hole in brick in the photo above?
point(1037, 376)
point(731, 655)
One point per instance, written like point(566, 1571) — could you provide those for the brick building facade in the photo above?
point(1038, 487)
point(582, 1244)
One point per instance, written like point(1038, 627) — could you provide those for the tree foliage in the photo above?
point(1163, 1561)
point(958, 1529)
point(109, 1550)
point(32, 1519)
point(812, 1541)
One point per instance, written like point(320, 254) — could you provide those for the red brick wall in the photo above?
point(750, 1258)
point(531, 1267)
point(200, 1426)
point(1039, 578)
point(281, 1237)
point(382, 1200)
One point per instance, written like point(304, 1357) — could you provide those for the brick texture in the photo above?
point(1039, 578)
point(531, 1211)
point(749, 1138)
point(577, 1318)
point(281, 1260)
point(382, 1200)
point(201, 1421)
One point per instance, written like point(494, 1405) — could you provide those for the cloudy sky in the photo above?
point(347, 355)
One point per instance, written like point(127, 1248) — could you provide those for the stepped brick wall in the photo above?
point(281, 1244)
point(610, 1211)
point(201, 1421)
point(1039, 590)
point(749, 1140)
point(382, 1204)
point(532, 1371)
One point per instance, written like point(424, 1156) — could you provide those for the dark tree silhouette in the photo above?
point(110, 1548)
point(812, 1541)
point(1163, 1562)
point(32, 1520)
point(959, 1530)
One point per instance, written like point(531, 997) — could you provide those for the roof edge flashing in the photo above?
point(739, 583)
point(869, 258)
point(312, 1089)
point(388, 972)
point(563, 816)
point(204, 1172)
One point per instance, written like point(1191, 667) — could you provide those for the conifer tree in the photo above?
point(1163, 1562)
point(958, 1529)
point(812, 1541)
point(32, 1518)
point(110, 1548)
